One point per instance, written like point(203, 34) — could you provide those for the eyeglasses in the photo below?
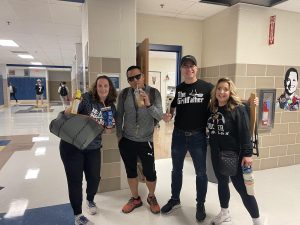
point(137, 77)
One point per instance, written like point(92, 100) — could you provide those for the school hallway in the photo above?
point(33, 187)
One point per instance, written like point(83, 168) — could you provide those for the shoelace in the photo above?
point(152, 200)
point(91, 204)
point(83, 220)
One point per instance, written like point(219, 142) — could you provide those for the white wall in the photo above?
point(112, 31)
point(219, 38)
point(32, 72)
point(171, 31)
point(253, 29)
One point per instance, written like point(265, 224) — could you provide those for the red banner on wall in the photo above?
point(272, 30)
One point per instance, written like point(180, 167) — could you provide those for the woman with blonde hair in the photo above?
point(228, 127)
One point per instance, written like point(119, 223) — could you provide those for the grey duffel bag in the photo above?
point(78, 130)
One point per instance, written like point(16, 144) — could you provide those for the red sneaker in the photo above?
point(154, 206)
point(132, 204)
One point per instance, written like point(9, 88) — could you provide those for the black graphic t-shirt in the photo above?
point(39, 89)
point(229, 130)
point(191, 101)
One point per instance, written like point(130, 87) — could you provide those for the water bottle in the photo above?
point(107, 117)
point(248, 179)
point(76, 101)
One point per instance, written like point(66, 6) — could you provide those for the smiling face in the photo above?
point(291, 83)
point(102, 88)
point(222, 93)
point(189, 72)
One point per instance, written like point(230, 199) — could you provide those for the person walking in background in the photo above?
point(39, 91)
point(12, 91)
point(228, 127)
point(88, 161)
point(136, 114)
point(63, 92)
point(191, 103)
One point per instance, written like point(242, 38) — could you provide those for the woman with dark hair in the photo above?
point(228, 127)
point(98, 103)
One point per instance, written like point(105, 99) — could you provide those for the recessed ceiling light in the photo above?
point(36, 63)
point(26, 56)
point(8, 43)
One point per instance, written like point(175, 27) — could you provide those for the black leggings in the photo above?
point(76, 162)
point(238, 183)
point(130, 150)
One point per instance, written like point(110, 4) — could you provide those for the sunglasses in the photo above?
point(137, 77)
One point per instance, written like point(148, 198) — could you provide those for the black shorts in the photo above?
point(130, 150)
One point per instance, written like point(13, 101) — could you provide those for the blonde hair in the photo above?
point(233, 100)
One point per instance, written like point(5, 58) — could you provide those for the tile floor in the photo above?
point(278, 190)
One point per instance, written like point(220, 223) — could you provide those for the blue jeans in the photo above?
point(195, 143)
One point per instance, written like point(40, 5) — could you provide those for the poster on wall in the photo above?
point(289, 100)
point(266, 112)
point(155, 79)
point(26, 72)
point(11, 72)
point(114, 77)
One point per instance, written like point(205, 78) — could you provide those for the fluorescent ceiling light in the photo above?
point(25, 56)
point(8, 43)
point(36, 63)
point(36, 68)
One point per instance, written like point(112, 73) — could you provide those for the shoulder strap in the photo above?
point(152, 95)
point(124, 94)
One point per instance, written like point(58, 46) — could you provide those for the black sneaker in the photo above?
point(170, 206)
point(200, 214)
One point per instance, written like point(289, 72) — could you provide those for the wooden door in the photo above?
point(142, 58)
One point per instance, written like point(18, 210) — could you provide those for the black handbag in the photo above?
point(78, 130)
point(228, 162)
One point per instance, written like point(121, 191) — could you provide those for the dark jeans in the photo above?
point(13, 95)
point(76, 162)
point(238, 183)
point(195, 143)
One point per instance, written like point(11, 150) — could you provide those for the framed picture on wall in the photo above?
point(114, 77)
point(266, 112)
point(155, 79)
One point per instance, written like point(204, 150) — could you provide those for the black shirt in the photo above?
point(229, 130)
point(191, 103)
point(39, 89)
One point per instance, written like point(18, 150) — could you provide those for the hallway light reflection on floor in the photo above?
point(17, 208)
point(32, 174)
point(40, 139)
point(40, 151)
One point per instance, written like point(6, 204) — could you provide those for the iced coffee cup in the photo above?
point(138, 98)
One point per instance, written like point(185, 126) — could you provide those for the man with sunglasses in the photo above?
point(135, 127)
point(191, 103)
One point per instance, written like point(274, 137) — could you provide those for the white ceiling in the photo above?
point(49, 29)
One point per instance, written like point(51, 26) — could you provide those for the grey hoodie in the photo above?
point(137, 125)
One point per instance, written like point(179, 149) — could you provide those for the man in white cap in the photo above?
point(39, 90)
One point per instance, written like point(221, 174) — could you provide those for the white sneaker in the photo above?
point(82, 220)
point(91, 207)
point(220, 218)
point(261, 221)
